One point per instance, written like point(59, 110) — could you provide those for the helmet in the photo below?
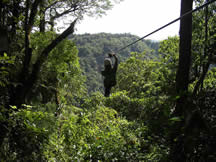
point(107, 61)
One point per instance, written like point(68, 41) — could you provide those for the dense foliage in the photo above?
point(58, 120)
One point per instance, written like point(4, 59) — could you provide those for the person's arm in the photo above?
point(116, 62)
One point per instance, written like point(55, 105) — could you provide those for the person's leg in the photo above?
point(107, 91)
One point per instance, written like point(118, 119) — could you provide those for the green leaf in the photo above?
point(26, 106)
point(13, 107)
point(177, 119)
point(177, 97)
point(5, 54)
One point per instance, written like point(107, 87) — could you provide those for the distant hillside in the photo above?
point(94, 47)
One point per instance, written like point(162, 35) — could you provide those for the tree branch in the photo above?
point(52, 4)
point(32, 15)
point(72, 9)
point(48, 49)
point(201, 79)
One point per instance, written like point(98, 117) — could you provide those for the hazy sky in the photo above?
point(138, 17)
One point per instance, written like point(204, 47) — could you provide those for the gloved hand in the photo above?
point(111, 54)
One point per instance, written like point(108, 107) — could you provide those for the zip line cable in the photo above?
point(187, 13)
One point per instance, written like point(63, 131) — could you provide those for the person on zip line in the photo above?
point(109, 73)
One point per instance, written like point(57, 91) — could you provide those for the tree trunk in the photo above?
point(182, 82)
point(182, 77)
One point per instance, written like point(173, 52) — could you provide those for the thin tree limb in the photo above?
point(33, 13)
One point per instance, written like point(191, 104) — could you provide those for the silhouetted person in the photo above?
point(109, 73)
